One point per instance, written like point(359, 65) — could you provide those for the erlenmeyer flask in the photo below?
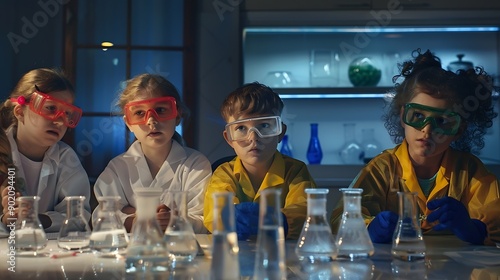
point(316, 242)
point(371, 147)
point(408, 243)
point(109, 235)
point(30, 236)
point(146, 252)
point(225, 264)
point(270, 255)
point(351, 152)
point(352, 239)
point(179, 237)
point(75, 231)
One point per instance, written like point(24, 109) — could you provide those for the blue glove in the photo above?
point(381, 229)
point(453, 215)
point(247, 219)
point(285, 224)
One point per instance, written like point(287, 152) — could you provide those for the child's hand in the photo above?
point(12, 212)
point(247, 219)
point(381, 229)
point(163, 216)
point(453, 215)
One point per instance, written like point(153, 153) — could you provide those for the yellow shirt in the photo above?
point(288, 174)
point(462, 176)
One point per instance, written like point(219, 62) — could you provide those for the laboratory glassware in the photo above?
point(316, 242)
point(75, 230)
point(30, 236)
point(314, 152)
point(352, 238)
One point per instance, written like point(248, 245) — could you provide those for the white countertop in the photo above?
point(447, 258)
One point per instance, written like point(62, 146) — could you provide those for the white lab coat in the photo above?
point(184, 169)
point(62, 175)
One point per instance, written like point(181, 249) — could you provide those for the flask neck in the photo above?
point(178, 204)
point(316, 206)
point(74, 207)
point(146, 207)
point(314, 130)
point(350, 132)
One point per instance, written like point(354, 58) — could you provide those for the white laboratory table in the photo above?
point(447, 258)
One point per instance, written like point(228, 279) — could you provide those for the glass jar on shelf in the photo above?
point(351, 152)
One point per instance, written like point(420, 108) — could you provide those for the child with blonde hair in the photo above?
point(152, 108)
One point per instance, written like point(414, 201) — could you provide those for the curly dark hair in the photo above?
point(469, 93)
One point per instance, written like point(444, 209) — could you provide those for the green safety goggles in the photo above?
point(442, 121)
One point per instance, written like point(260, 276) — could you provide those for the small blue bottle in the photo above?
point(314, 153)
point(286, 149)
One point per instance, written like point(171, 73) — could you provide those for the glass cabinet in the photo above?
point(336, 72)
point(355, 61)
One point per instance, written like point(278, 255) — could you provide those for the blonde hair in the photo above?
point(42, 79)
point(151, 85)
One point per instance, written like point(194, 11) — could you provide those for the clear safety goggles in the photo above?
point(262, 126)
point(51, 108)
point(161, 108)
point(442, 121)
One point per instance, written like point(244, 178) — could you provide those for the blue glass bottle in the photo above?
point(286, 149)
point(314, 153)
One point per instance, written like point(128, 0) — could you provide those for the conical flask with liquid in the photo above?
point(316, 242)
point(30, 236)
point(179, 237)
point(75, 230)
point(270, 255)
point(225, 263)
point(353, 240)
point(146, 252)
point(408, 243)
point(109, 236)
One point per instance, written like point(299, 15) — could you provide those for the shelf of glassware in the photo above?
point(356, 62)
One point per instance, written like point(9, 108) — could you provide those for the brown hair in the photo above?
point(46, 80)
point(250, 99)
point(153, 86)
point(469, 93)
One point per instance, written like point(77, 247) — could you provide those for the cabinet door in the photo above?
point(310, 5)
point(437, 5)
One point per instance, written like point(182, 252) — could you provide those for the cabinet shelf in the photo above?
point(337, 92)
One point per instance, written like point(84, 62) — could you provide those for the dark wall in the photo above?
point(31, 37)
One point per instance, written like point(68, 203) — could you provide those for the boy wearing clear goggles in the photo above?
point(35, 118)
point(432, 118)
point(152, 109)
point(254, 129)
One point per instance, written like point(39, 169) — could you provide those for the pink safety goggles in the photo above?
point(161, 108)
point(51, 108)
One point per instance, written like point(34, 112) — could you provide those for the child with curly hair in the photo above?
point(440, 119)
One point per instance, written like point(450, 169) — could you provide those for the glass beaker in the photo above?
point(351, 152)
point(324, 68)
point(30, 236)
point(179, 237)
point(270, 255)
point(314, 152)
point(75, 231)
point(109, 236)
point(352, 239)
point(146, 252)
point(408, 243)
point(316, 242)
point(224, 239)
point(370, 147)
